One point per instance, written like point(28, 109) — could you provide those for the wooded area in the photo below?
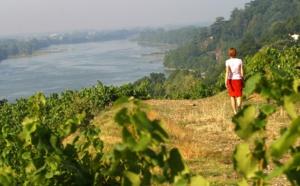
point(260, 24)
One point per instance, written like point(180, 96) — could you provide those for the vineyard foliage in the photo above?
point(274, 75)
point(33, 151)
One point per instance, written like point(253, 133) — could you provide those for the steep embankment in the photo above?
point(201, 129)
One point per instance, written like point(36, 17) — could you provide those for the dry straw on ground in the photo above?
point(203, 131)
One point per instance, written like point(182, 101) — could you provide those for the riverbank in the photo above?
point(36, 53)
point(172, 69)
point(156, 54)
point(157, 44)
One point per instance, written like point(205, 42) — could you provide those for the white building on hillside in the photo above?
point(294, 36)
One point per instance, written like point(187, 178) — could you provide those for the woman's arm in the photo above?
point(242, 74)
point(242, 71)
point(226, 75)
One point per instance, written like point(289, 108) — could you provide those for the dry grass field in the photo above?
point(202, 130)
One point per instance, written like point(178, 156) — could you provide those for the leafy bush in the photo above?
point(275, 78)
point(36, 154)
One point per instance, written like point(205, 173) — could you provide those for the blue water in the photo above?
point(75, 66)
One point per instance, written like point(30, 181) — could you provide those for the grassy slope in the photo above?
point(202, 130)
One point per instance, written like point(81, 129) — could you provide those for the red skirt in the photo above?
point(235, 87)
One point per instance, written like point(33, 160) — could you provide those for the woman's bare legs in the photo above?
point(233, 104)
point(239, 103)
point(236, 103)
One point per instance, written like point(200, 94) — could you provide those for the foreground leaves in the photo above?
point(142, 158)
point(274, 78)
point(37, 155)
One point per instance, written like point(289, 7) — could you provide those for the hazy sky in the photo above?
point(27, 16)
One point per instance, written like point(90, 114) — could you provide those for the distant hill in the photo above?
point(261, 23)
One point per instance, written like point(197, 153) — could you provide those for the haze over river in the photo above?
point(75, 66)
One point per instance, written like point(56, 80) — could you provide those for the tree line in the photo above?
point(262, 23)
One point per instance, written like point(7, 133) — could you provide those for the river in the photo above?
point(74, 66)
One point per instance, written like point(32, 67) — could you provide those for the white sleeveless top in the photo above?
point(235, 65)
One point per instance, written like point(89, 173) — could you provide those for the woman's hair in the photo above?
point(232, 52)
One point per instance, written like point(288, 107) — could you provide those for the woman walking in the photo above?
point(234, 79)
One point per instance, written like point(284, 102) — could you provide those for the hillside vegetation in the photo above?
point(262, 23)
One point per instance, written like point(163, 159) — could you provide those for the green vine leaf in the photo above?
point(121, 101)
point(181, 182)
point(287, 140)
point(291, 169)
point(244, 121)
point(6, 176)
point(176, 163)
point(127, 137)
point(275, 173)
point(142, 144)
point(251, 84)
point(289, 106)
point(122, 117)
point(141, 121)
point(244, 161)
point(296, 84)
point(198, 180)
point(49, 175)
point(243, 182)
point(269, 109)
point(26, 155)
point(132, 179)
